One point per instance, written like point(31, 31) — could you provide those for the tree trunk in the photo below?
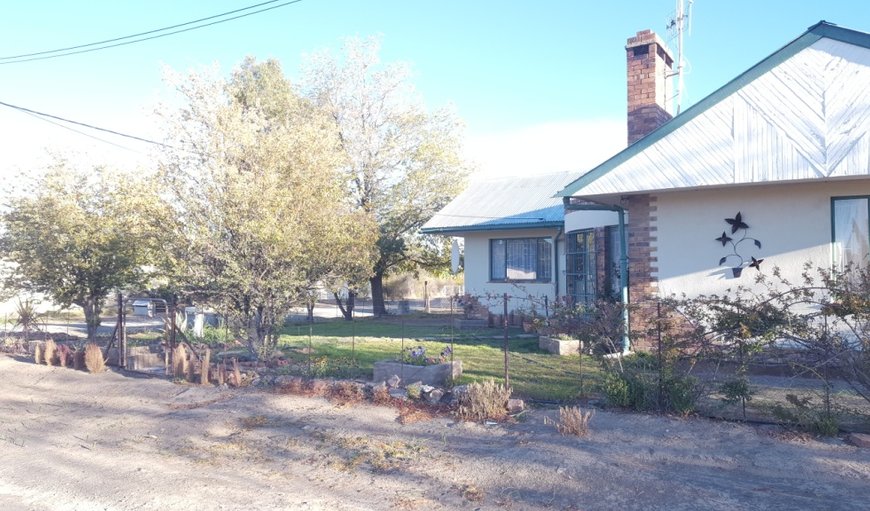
point(378, 306)
point(346, 308)
point(92, 308)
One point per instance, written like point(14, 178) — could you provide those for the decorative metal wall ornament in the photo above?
point(738, 236)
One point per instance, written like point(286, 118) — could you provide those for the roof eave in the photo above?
point(458, 230)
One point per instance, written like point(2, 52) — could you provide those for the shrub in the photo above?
point(415, 391)
point(483, 401)
point(346, 392)
point(49, 352)
point(94, 361)
point(573, 421)
point(803, 415)
point(64, 355)
point(381, 395)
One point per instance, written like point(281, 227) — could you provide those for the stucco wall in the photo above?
point(578, 220)
point(792, 222)
point(477, 270)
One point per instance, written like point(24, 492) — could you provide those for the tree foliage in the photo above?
point(255, 184)
point(402, 164)
point(76, 235)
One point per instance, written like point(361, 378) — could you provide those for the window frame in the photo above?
point(539, 241)
point(834, 261)
point(571, 279)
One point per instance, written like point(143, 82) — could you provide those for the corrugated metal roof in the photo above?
point(802, 113)
point(507, 203)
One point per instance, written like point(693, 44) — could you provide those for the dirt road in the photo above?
point(74, 441)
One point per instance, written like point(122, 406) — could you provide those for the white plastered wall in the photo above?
point(477, 280)
point(792, 222)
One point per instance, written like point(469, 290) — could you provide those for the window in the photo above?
point(582, 272)
point(521, 259)
point(851, 231)
point(587, 251)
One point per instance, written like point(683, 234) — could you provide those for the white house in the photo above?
point(513, 231)
point(772, 169)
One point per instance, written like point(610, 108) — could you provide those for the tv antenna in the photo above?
point(678, 24)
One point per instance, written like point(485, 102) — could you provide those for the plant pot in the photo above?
point(736, 272)
point(559, 346)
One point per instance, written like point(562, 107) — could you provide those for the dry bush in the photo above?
point(94, 360)
point(179, 362)
point(191, 368)
point(294, 385)
point(346, 392)
point(203, 371)
point(318, 388)
point(381, 395)
point(572, 421)
point(64, 355)
point(483, 401)
point(254, 421)
point(37, 353)
point(49, 352)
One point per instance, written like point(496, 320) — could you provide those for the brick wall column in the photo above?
point(642, 264)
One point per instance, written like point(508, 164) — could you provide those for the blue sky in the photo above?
point(540, 85)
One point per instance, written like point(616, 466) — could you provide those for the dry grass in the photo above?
point(37, 353)
point(94, 361)
point(572, 421)
point(236, 379)
point(49, 352)
point(346, 392)
point(254, 421)
point(472, 493)
point(484, 401)
point(410, 413)
point(221, 373)
point(319, 388)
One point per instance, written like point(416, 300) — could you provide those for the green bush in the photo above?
point(803, 415)
point(639, 390)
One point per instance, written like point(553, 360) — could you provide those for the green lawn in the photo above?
point(346, 348)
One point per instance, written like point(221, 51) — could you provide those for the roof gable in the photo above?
point(801, 113)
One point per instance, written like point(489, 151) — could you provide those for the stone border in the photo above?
point(559, 346)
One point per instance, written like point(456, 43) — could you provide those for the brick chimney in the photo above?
point(649, 64)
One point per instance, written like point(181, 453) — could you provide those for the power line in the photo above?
point(85, 48)
point(80, 132)
point(106, 130)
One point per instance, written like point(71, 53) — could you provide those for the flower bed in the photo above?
point(559, 346)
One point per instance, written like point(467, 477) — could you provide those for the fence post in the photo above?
point(507, 381)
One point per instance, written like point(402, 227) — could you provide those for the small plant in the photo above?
point(415, 391)
point(37, 353)
point(483, 401)
point(236, 379)
point(737, 390)
point(78, 359)
point(27, 316)
point(94, 361)
point(803, 415)
point(49, 352)
point(254, 421)
point(417, 356)
point(572, 421)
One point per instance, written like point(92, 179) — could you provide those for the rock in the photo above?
point(425, 389)
point(457, 393)
point(434, 396)
point(393, 381)
point(399, 394)
point(859, 440)
point(515, 405)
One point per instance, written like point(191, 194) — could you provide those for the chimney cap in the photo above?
point(645, 37)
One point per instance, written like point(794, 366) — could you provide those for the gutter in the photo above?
point(623, 260)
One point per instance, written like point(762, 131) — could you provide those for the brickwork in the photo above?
point(649, 63)
point(642, 263)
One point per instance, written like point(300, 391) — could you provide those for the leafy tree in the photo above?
point(255, 183)
point(402, 163)
point(77, 235)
